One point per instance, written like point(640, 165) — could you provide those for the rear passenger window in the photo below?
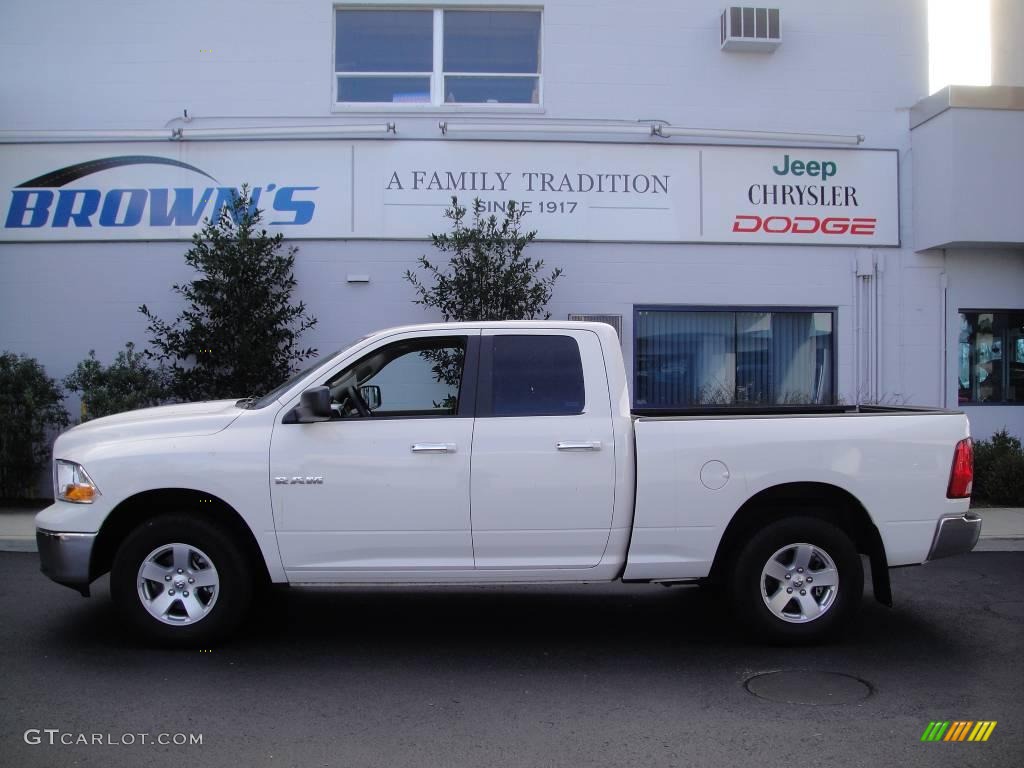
point(536, 376)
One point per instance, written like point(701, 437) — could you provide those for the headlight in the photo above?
point(72, 483)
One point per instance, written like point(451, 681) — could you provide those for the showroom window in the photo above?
point(437, 56)
point(991, 357)
point(692, 358)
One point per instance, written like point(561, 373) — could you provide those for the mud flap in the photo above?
point(880, 579)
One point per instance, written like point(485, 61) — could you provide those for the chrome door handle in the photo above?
point(433, 447)
point(575, 445)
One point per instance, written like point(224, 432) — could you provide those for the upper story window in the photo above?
point(437, 57)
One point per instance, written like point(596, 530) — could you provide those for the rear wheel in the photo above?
point(180, 581)
point(799, 579)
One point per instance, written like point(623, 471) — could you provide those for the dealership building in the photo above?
point(766, 202)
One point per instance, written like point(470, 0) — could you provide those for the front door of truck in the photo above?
point(387, 491)
point(543, 451)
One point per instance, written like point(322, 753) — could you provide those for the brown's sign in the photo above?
point(393, 189)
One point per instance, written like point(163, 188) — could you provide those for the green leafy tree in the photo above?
point(31, 408)
point(487, 276)
point(125, 385)
point(239, 332)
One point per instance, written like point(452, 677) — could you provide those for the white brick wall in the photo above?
point(849, 66)
point(845, 66)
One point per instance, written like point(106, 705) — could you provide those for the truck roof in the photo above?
point(497, 324)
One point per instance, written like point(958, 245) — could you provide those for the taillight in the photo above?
point(961, 477)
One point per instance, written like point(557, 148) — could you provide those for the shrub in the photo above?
point(999, 470)
point(238, 335)
point(487, 276)
point(127, 384)
point(31, 408)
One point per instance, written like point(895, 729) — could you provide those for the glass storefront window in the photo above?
point(990, 357)
point(691, 358)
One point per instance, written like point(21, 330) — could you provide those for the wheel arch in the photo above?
point(136, 509)
point(822, 500)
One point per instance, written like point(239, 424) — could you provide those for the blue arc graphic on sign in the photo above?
point(66, 175)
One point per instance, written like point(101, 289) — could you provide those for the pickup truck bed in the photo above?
point(696, 472)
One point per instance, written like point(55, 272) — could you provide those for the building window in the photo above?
point(437, 57)
point(691, 358)
point(991, 356)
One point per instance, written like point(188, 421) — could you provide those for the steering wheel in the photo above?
point(357, 401)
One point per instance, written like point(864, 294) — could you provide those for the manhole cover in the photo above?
point(1008, 609)
point(807, 687)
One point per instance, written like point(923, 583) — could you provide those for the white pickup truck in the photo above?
point(498, 453)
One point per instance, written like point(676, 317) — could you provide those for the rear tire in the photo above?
point(180, 581)
point(798, 580)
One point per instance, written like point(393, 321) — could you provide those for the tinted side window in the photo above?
point(536, 376)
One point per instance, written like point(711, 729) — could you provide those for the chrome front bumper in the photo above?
point(66, 557)
point(955, 535)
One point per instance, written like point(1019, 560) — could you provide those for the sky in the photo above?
point(959, 43)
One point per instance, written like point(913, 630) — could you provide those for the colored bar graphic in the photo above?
point(984, 734)
point(935, 730)
point(958, 730)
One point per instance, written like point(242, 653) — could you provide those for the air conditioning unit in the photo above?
point(615, 321)
point(754, 30)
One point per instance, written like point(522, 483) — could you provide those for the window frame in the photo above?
point(1004, 384)
point(436, 77)
point(739, 308)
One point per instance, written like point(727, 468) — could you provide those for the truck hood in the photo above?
point(185, 420)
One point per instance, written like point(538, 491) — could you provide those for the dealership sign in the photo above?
point(398, 190)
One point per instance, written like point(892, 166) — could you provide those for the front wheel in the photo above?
point(799, 579)
point(180, 581)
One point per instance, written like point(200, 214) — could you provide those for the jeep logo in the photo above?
point(299, 480)
point(824, 169)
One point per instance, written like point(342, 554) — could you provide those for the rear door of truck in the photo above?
point(543, 465)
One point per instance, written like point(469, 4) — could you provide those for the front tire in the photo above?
point(798, 580)
point(180, 581)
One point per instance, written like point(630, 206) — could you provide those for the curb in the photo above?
point(1009, 544)
point(18, 544)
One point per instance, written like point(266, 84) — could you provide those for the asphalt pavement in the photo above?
point(601, 675)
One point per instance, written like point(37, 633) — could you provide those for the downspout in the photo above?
point(879, 268)
point(944, 330)
point(867, 333)
point(857, 394)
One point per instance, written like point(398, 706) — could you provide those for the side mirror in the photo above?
point(314, 405)
point(371, 396)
